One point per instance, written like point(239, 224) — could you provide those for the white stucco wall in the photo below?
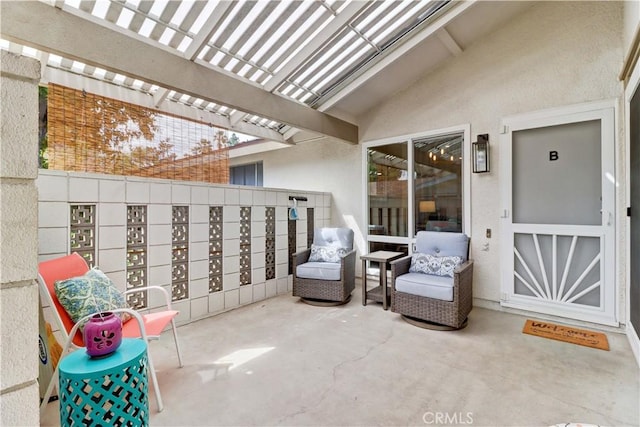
point(554, 54)
point(321, 165)
point(631, 21)
point(18, 241)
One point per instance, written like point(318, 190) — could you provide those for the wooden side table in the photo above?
point(111, 390)
point(376, 294)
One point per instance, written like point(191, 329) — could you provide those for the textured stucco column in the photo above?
point(19, 393)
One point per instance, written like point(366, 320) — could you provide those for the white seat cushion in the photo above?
point(426, 285)
point(319, 270)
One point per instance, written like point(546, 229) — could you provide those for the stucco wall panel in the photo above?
point(19, 350)
point(18, 205)
point(19, 94)
point(331, 165)
point(18, 240)
point(554, 54)
point(13, 409)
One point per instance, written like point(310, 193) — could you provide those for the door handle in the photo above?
point(610, 219)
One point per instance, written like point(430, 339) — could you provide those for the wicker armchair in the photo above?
point(326, 283)
point(434, 302)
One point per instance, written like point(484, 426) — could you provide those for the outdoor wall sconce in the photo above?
point(480, 153)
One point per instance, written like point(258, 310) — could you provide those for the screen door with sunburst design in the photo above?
point(558, 248)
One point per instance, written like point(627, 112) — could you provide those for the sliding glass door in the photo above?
point(415, 183)
point(387, 189)
point(438, 183)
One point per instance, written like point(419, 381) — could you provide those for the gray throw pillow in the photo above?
point(326, 253)
point(435, 265)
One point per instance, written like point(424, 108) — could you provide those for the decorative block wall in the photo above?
point(213, 247)
point(137, 256)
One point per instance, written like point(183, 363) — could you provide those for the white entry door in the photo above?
point(558, 216)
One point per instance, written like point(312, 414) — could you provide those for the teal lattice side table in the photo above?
point(112, 391)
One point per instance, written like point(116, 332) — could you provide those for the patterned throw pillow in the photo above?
point(326, 253)
point(436, 265)
point(90, 293)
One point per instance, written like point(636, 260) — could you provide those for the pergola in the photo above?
point(283, 71)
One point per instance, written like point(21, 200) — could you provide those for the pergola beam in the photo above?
point(49, 29)
point(236, 117)
point(445, 37)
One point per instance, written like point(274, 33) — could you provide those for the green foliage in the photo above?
point(43, 142)
point(203, 147)
point(146, 156)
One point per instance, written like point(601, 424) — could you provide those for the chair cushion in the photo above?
point(426, 285)
point(334, 237)
point(90, 293)
point(436, 265)
point(319, 270)
point(442, 244)
point(326, 253)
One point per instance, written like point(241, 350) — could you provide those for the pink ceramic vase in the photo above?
point(102, 334)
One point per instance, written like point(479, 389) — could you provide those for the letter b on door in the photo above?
point(553, 155)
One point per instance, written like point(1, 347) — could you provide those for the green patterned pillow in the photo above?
point(87, 294)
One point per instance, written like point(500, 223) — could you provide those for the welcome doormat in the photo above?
point(566, 334)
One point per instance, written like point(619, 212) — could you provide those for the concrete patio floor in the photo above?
point(353, 365)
